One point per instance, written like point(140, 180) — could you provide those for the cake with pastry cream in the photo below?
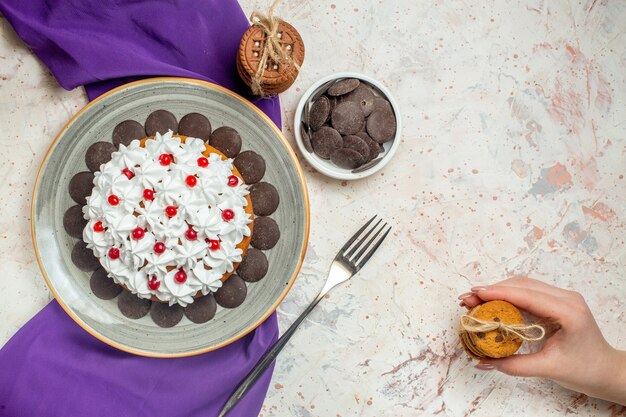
point(169, 218)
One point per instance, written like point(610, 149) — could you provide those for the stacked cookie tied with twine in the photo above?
point(270, 54)
point(496, 329)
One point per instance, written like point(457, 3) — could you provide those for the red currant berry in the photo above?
point(171, 211)
point(129, 174)
point(181, 276)
point(233, 181)
point(153, 283)
point(113, 200)
point(191, 180)
point(228, 215)
point(191, 234)
point(165, 159)
point(98, 227)
point(159, 248)
point(214, 244)
point(138, 233)
point(148, 194)
point(114, 253)
point(203, 162)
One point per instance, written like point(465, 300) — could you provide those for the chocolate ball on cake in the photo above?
point(195, 125)
point(74, 222)
point(81, 186)
point(251, 165)
point(266, 233)
point(127, 131)
point(161, 121)
point(254, 266)
point(232, 293)
point(97, 154)
point(83, 257)
point(132, 306)
point(165, 315)
point(102, 286)
point(226, 140)
point(265, 198)
point(202, 309)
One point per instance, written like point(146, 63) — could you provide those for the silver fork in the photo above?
point(345, 265)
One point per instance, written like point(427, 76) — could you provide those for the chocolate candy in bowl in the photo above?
point(347, 126)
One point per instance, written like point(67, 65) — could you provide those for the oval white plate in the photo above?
point(66, 157)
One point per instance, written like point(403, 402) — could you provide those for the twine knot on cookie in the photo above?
point(273, 50)
point(529, 332)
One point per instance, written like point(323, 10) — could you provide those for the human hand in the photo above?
point(575, 356)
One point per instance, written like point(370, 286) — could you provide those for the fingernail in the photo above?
point(485, 366)
point(465, 295)
point(477, 289)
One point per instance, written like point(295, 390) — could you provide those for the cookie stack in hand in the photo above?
point(348, 122)
point(496, 343)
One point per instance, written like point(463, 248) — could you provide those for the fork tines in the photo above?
point(348, 251)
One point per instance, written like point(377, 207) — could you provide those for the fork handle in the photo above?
point(266, 360)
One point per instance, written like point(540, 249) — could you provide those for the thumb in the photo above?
point(528, 365)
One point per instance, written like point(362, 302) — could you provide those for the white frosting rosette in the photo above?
point(164, 220)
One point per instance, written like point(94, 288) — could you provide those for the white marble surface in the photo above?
point(512, 162)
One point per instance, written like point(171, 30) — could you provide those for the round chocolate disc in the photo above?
point(195, 125)
point(375, 147)
point(325, 141)
point(202, 309)
point(74, 222)
point(362, 95)
point(264, 198)
point(382, 104)
point(319, 113)
point(81, 186)
point(102, 286)
point(266, 233)
point(160, 121)
point(357, 144)
point(344, 86)
point(132, 306)
point(254, 266)
point(97, 154)
point(345, 158)
point(251, 166)
point(127, 131)
point(84, 258)
point(348, 118)
point(165, 315)
point(381, 125)
point(226, 140)
point(333, 103)
point(306, 139)
point(232, 293)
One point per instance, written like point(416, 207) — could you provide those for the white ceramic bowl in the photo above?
point(326, 167)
